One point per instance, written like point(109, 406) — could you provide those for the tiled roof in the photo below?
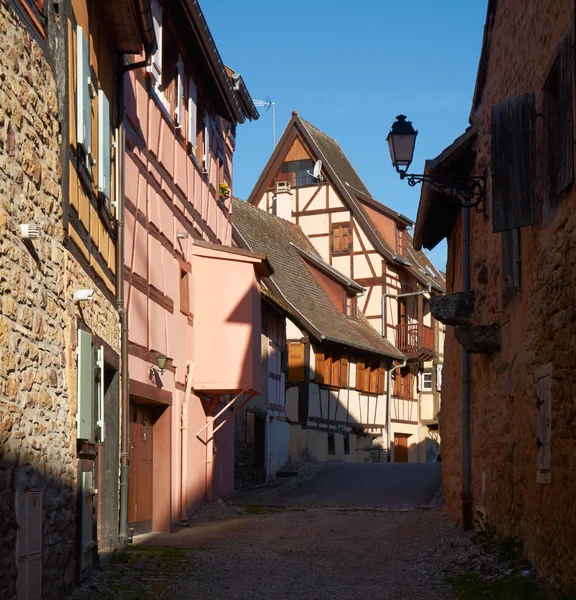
point(297, 286)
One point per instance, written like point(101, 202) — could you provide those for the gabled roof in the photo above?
point(295, 286)
point(352, 190)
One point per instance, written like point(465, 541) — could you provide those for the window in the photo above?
point(90, 407)
point(400, 241)
point(558, 138)
point(370, 376)
point(544, 424)
point(185, 292)
point(511, 263)
point(340, 239)
point(295, 362)
point(331, 368)
point(514, 202)
point(403, 384)
point(83, 96)
point(346, 445)
point(179, 100)
point(207, 142)
point(426, 385)
point(351, 306)
point(104, 159)
point(331, 444)
point(297, 172)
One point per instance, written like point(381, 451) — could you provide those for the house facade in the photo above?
point(190, 296)
point(60, 373)
point(510, 283)
point(338, 367)
point(370, 244)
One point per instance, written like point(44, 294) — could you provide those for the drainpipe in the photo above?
point(388, 295)
point(191, 367)
point(125, 535)
point(466, 467)
point(389, 408)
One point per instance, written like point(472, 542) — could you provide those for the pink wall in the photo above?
point(223, 479)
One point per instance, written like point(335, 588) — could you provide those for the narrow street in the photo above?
point(333, 531)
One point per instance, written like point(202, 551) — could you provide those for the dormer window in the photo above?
point(400, 241)
point(297, 173)
point(351, 306)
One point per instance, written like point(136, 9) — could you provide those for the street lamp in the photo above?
point(161, 361)
point(470, 190)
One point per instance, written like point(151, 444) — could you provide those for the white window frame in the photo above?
point(179, 108)
point(104, 144)
point(84, 92)
point(155, 68)
point(192, 113)
point(426, 385)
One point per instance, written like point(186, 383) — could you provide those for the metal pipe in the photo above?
point(389, 408)
point(122, 313)
point(466, 466)
point(191, 367)
point(388, 295)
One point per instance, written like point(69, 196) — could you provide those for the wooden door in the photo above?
point(140, 478)
point(401, 447)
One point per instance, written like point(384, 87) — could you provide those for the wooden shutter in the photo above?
point(336, 371)
point(295, 362)
point(544, 424)
point(373, 376)
point(558, 133)
point(360, 374)
point(344, 371)
point(514, 163)
point(410, 384)
point(319, 371)
point(184, 292)
point(381, 378)
point(327, 369)
point(344, 239)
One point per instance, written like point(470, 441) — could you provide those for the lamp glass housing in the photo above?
point(401, 143)
point(161, 361)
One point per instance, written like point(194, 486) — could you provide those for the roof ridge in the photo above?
point(320, 131)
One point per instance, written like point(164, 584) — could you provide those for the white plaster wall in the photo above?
point(314, 224)
point(279, 444)
point(333, 199)
point(292, 403)
point(342, 264)
point(292, 332)
point(322, 246)
point(319, 202)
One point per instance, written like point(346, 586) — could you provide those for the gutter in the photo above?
point(146, 23)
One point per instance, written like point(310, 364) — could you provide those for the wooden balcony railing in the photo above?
point(407, 338)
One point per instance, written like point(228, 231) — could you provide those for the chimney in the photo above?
point(282, 206)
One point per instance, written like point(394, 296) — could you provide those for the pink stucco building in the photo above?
point(189, 295)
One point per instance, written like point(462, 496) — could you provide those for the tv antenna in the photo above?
point(317, 171)
point(269, 104)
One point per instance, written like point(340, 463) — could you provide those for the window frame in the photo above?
point(345, 227)
point(351, 306)
point(427, 381)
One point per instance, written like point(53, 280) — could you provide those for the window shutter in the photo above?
point(373, 378)
point(336, 371)
point(344, 371)
point(349, 244)
point(184, 292)
point(192, 113)
point(514, 163)
point(207, 142)
point(178, 104)
point(420, 377)
point(438, 378)
point(410, 384)
point(397, 382)
point(382, 378)
point(83, 106)
point(295, 362)
point(544, 425)
point(100, 391)
point(319, 374)
point(327, 369)
point(558, 138)
point(156, 65)
point(361, 374)
point(104, 159)
point(85, 374)
point(344, 239)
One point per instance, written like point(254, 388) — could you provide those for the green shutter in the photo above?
point(83, 107)
point(104, 145)
point(85, 414)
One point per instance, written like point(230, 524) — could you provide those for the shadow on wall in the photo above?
point(426, 450)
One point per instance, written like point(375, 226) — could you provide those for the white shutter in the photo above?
point(104, 144)
point(156, 65)
point(100, 392)
point(85, 374)
point(438, 378)
point(83, 108)
point(207, 143)
point(192, 112)
point(420, 387)
point(178, 107)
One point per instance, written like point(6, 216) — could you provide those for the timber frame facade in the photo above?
point(369, 243)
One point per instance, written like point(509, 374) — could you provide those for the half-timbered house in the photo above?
point(369, 243)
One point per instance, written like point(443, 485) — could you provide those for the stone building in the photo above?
point(510, 440)
point(59, 336)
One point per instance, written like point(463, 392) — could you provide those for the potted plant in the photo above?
point(224, 190)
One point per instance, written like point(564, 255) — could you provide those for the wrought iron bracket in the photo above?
point(471, 190)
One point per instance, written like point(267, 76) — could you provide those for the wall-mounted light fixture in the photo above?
point(28, 231)
point(182, 235)
point(470, 190)
point(83, 295)
point(161, 361)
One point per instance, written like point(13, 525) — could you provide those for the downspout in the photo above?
point(388, 295)
point(191, 367)
point(389, 408)
point(125, 535)
point(466, 467)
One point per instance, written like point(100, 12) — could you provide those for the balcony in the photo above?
point(415, 341)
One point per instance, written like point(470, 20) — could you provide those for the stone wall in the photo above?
point(538, 327)
point(38, 319)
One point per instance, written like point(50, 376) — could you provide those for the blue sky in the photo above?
point(349, 68)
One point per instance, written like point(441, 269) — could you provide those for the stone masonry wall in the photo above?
point(38, 319)
point(538, 328)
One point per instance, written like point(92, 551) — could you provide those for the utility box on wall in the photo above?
point(227, 320)
point(29, 544)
